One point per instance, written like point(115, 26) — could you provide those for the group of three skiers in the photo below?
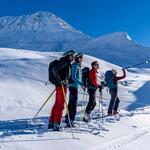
point(65, 74)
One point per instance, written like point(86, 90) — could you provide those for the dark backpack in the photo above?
point(109, 79)
point(85, 76)
point(51, 76)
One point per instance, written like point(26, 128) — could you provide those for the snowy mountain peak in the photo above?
point(39, 31)
point(116, 36)
point(121, 35)
point(38, 21)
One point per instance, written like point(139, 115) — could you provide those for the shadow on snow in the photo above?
point(143, 96)
point(22, 126)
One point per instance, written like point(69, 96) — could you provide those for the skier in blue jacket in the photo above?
point(74, 83)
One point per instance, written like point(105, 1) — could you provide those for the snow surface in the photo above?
point(22, 97)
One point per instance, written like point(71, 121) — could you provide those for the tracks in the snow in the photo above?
point(117, 143)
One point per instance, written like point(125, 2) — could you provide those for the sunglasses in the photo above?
point(80, 57)
point(97, 65)
point(71, 55)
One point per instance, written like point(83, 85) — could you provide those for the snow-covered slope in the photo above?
point(19, 95)
point(22, 97)
point(23, 92)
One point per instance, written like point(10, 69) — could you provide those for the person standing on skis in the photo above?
point(61, 73)
point(113, 90)
point(93, 85)
point(74, 83)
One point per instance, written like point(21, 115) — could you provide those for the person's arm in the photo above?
point(74, 73)
point(121, 77)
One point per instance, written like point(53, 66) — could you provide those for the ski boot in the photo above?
point(56, 127)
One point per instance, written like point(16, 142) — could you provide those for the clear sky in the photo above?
point(93, 17)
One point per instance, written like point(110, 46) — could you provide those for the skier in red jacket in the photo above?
point(93, 85)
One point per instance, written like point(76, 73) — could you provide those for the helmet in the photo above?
point(78, 55)
point(70, 52)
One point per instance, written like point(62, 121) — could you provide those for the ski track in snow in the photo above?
point(122, 141)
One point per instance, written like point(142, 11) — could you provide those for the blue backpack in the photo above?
point(109, 79)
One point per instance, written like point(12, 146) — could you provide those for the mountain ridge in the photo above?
point(43, 31)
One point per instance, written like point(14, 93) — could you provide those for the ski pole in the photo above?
point(44, 104)
point(82, 109)
point(101, 102)
point(138, 64)
point(67, 110)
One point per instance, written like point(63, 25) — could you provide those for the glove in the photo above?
point(100, 89)
point(83, 87)
point(103, 84)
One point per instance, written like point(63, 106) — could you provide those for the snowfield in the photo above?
point(22, 95)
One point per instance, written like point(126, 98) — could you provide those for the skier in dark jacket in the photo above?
point(114, 102)
point(74, 83)
point(92, 87)
point(62, 73)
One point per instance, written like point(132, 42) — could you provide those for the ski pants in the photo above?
point(58, 107)
point(114, 102)
point(92, 101)
point(72, 105)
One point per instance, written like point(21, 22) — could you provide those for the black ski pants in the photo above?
point(72, 105)
point(114, 102)
point(92, 101)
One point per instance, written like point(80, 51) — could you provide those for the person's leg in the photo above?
point(92, 102)
point(74, 104)
point(116, 105)
point(51, 119)
point(113, 94)
point(52, 114)
point(73, 95)
point(60, 105)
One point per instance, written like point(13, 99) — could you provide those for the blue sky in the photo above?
point(93, 17)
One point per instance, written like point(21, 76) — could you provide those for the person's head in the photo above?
point(69, 55)
point(95, 65)
point(114, 71)
point(79, 57)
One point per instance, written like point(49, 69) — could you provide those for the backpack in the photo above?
point(85, 76)
point(51, 76)
point(109, 79)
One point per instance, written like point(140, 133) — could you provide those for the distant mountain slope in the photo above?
point(41, 31)
point(117, 48)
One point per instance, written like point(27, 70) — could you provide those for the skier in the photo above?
point(92, 87)
point(113, 90)
point(74, 83)
point(61, 73)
